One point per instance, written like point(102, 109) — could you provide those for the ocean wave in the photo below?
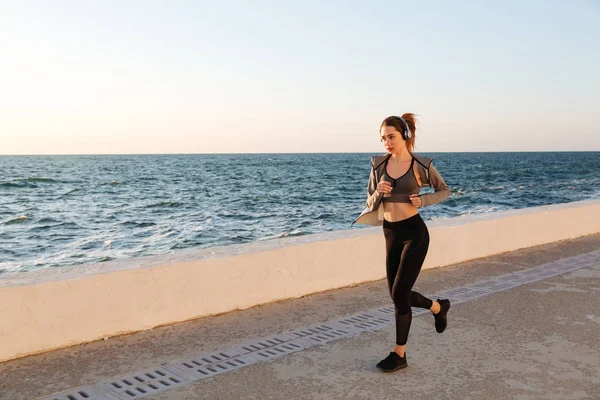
point(324, 216)
point(46, 180)
point(479, 210)
point(134, 224)
point(28, 182)
point(10, 185)
point(62, 196)
point(293, 233)
point(47, 220)
point(60, 225)
point(18, 220)
point(165, 204)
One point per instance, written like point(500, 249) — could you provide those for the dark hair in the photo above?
point(397, 123)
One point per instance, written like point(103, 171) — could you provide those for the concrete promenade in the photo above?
point(535, 341)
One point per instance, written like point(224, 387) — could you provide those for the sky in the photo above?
point(135, 77)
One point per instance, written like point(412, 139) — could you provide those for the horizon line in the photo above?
point(306, 152)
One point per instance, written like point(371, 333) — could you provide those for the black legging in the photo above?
point(406, 243)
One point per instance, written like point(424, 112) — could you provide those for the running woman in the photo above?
point(393, 197)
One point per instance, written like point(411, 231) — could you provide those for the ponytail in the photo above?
point(411, 121)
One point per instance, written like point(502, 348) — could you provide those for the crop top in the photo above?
point(402, 187)
point(373, 213)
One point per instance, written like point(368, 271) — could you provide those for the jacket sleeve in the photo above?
point(437, 183)
point(373, 196)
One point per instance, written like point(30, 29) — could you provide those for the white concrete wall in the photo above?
point(50, 309)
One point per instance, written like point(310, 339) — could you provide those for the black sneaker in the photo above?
point(392, 363)
point(440, 318)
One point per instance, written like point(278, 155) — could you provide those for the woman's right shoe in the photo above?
point(440, 318)
point(392, 362)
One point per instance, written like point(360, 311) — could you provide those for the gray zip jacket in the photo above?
point(373, 214)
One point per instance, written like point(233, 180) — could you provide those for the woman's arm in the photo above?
point(441, 189)
point(373, 195)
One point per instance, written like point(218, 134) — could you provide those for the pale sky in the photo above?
point(130, 77)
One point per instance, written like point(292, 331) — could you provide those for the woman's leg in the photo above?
point(408, 270)
point(406, 250)
point(419, 301)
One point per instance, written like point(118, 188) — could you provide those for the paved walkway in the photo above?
point(535, 341)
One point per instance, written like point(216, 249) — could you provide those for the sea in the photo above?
point(70, 210)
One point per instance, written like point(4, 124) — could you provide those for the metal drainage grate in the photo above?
point(365, 321)
point(198, 368)
point(143, 383)
point(277, 351)
point(322, 333)
point(464, 293)
point(81, 393)
point(252, 346)
point(388, 312)
point(265, 349)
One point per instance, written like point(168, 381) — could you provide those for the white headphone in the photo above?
point(407, 133)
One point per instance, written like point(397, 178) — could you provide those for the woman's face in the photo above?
point(391, 139)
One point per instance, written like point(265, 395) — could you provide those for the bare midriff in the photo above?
point(394, 212)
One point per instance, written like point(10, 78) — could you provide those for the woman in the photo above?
point(393, 201)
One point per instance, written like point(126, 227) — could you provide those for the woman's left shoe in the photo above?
point(392, 363)
point(440, 318)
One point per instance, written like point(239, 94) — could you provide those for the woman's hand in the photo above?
point(415, 199)
point(384, 187)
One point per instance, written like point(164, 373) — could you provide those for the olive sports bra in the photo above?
point(402, 187)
